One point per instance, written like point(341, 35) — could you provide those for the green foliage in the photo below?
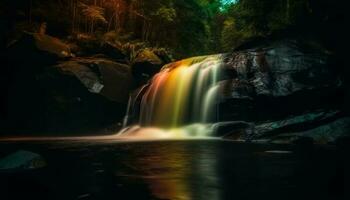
point(188, 27)
point(231, 37)
point(165, 14)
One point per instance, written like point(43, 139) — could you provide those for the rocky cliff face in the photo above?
point(279, 91)
point(57, 88)
point(284, 90)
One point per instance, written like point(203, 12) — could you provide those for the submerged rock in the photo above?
point(22, 160)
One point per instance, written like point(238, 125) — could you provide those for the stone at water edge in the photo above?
point(22, 160)
point(146, 62)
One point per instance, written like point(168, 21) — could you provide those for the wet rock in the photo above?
point(324, 131)
point(164, 55)
point(22, 160)
point(146, 62)
point(102, 76)
point(295, 123)
point(234, 130)
point(314, 127)
point(328, 132)
point(113, 51)
point(277, 80)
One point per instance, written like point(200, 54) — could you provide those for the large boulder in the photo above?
point(81, 95)
point(85, 45)
point(49, 91)
point(287, 89)
point(101, 76)
point(114, 51)
point(52, 45)
point(320, 126)
point(272, 82)
point(85, 94)
point(41, 46)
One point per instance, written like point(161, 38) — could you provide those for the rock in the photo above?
point(328, 132)
point(280, 91)
point(48, 93)
point(294, 124)
point(87, 45)
point(322, 127)
point(113, 51)
point(82, 95)
point(88, 74)
point(102, 76)
point(42, 44)
point(22, 160)
point(234, 130)
point(146, 62)
point(52, 45)
point(164, 55)
point(280, 79)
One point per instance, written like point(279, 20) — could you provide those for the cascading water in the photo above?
point(180, 100)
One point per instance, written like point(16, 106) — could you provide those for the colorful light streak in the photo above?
point(183, 92)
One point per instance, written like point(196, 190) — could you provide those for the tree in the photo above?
point(93, 13)
point(231, 37)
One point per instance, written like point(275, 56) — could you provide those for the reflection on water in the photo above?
point(193, 131)
point(172, 173)
point(176, 170)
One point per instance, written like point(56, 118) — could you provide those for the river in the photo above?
point(174, 169)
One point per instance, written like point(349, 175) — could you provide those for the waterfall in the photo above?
point(180, 100)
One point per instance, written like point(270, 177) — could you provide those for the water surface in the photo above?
point(183, 170)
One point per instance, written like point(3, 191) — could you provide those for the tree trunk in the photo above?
point(74, 16)
point(30, 11)
point(110, 21)
point(92, 26)
point(288, 11)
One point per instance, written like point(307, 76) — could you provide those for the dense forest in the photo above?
point(186, 27)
